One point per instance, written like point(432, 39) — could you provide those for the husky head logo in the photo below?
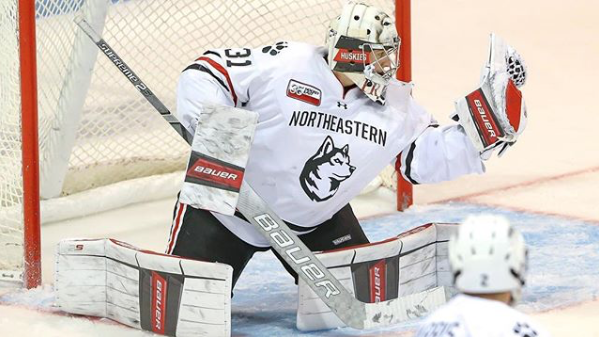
point(325, 170)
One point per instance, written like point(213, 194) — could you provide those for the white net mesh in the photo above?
point(117, 134)
point(11, 186)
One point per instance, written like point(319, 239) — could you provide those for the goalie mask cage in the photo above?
point(93, 129)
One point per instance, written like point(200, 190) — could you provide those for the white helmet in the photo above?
point(488, 256)
point(364, 45)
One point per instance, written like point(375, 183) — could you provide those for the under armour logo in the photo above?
point(339, 104)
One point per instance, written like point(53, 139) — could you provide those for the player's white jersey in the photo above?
point(316, 146)
point(469, 316)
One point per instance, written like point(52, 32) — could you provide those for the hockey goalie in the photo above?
point(317, 125)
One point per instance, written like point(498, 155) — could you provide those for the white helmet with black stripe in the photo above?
point(488, 256)
point(364, 46)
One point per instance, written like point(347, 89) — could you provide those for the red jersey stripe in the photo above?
point(224, 72)
point(176, 228)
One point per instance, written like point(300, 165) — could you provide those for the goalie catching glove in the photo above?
point(494, 115)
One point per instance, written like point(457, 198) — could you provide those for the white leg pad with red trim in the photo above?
point(414, 262)
point(142, 289)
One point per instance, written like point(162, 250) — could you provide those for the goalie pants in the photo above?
point(200, 236)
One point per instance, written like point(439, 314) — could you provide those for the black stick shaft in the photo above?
point(134, 79)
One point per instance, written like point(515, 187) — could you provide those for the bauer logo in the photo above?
point(377, 274)
point(296, 255)
point(158, 311)
point(483, 117)
point(208, 171)
point(304, 92)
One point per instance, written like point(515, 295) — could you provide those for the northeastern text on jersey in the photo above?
point(321, 120)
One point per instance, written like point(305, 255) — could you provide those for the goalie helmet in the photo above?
point(363, 45)
point(488, 256)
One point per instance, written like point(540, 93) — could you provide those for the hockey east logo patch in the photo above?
point(325, 171)
point(304, 92)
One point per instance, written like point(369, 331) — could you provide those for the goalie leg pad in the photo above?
point(415, 263)
point(145, 290)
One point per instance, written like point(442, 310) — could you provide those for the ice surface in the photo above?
point(547, 184)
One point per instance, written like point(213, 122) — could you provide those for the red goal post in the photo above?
point(31, 207)
point(61, 127)
point(403, 19)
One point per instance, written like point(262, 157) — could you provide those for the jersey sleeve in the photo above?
point(440, 154)
point(221, 76)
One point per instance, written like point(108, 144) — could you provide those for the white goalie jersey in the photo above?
point(317, 145)
point(468, 316)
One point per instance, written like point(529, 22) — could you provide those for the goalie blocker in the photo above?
point(164, 294)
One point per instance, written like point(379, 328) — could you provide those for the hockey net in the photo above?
point(95, 129)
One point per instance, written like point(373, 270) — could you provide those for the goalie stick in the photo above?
point(352, 312)
point(133, 78)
